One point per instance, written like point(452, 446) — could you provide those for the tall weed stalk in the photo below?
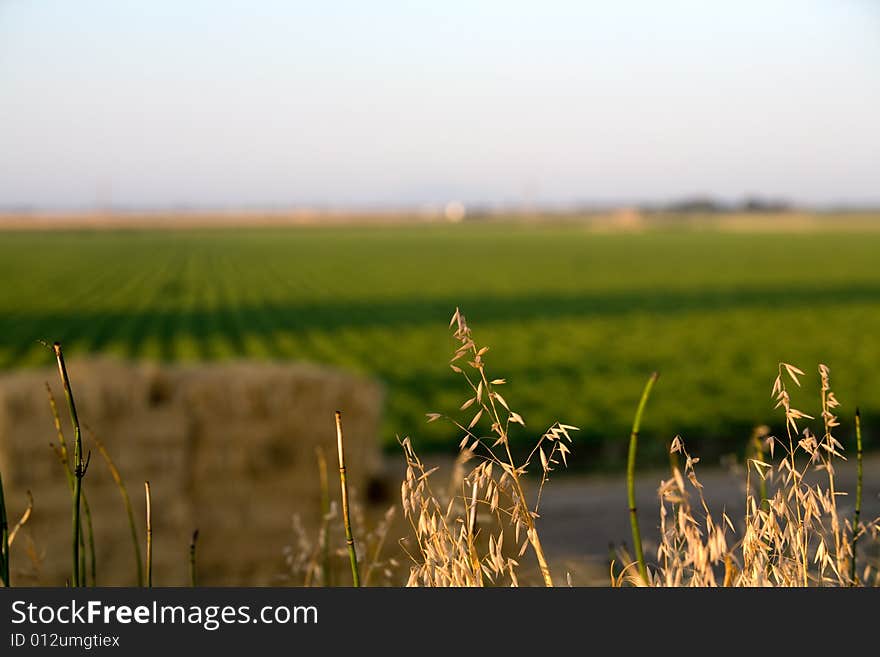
point(79, 471)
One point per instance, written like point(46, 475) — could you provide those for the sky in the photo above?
point(260, 103)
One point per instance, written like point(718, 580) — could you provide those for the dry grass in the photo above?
point(791, 535)
point(322, 559)
point(792, 532)
point(482, 527)
point(472, 531)
point(460, 533)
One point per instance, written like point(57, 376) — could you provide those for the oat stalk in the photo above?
point(790, 538)
point(449, 533)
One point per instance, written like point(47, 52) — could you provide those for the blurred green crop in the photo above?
point(575, 319)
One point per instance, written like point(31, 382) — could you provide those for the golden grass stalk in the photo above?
point(149, 568)
point(126, 501)
point(445, 528)
point(7, 537)
point(441, 529)
point(346, 517)
point(690, 550)
point(79, 470)
point(24, 517)
point(794, 477)
point(790, 539)
point(631, 478)
point(472, 529)
point(491, 404)
point(828, 452)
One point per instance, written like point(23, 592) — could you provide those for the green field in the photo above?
point(576, 320)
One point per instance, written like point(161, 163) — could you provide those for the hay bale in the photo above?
point(228, 448)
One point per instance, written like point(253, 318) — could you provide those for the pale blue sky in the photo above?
point(347, 103)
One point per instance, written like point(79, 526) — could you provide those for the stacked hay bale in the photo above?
point(228, 448)
point(262, 425)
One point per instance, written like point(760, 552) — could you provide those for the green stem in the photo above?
point(631, 478)
point(64, 458)
point(349, 538)
point(82, 557)
point(858, 510)
point(79, 468)
point(93, 576)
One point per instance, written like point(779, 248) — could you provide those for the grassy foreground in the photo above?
point(576, 317)
point(794, 532)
